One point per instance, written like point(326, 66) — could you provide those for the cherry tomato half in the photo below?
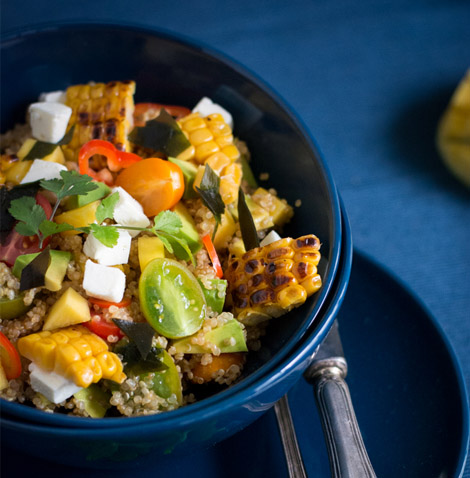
point(104, 304)
point(102, 328)
point(15, 244)
point(10, 358)
point(155, 183)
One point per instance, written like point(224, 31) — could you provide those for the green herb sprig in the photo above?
point(32, 219)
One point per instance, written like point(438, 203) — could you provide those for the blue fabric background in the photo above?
point(370, 80)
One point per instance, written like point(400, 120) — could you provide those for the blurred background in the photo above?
point(370, 81)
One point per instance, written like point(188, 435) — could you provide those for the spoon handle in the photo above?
point(346, 450)
point(295, 465)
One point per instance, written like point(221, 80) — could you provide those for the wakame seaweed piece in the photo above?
point(140, 333)
point(34, 274)
point(7, 221)
point(133, 359)
point(247, 225)
point(41, 149)
point(210, 194)
point(161, 134)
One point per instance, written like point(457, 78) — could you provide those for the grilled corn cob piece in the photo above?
point(73, 352)
point(212, 143)
point(271, 280)
point(100, 111)
point(208, 136)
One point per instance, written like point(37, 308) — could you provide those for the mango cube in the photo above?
point(149, 248)
point(70, 309)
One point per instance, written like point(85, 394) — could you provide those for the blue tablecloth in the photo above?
point(370, 80)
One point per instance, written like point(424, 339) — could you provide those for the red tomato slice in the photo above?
point(10, 358)
point(101, 327)
point(146, 111)
point(213, 255)
point(15, 244)
point(104, 304)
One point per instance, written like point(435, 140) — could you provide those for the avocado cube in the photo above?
point(70, 309)
point(95, 400)
point(79, 200)
point(55, 272)
point(12, 308)
point(228, 337)
point(215, 295)
point(189, 174)
point(188, 230)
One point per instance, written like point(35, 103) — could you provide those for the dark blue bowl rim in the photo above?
point(336, 239)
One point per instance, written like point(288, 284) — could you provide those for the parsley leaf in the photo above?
point(47, 228)
point(107, 235)
point(167, 221)
point(28, 213)
point(106, 208)
point(71, 184)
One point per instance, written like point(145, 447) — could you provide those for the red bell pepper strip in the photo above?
point(116, 159)
point(10, 358)
point(207, 241)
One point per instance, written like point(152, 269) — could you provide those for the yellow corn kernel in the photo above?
point(204, 150)
point(311, 284)
point(200, 136)
point(45, 350)
point(218, 162)
point(230, 182)
point(224, 141)
point(231, 151)
point(73, 352)
point(192, 122)
point(292, 296)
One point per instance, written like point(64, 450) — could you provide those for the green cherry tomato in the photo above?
point(171, 298)
point(12, 308)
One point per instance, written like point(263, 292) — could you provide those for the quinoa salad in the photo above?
point(140, 261)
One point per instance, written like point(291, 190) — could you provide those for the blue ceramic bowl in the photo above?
point(161, 438)
point(172, 70)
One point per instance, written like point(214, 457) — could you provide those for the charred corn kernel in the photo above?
point(73, 352)
point(100, 111)
point(280, 212)
point(208, 136)
point(269, 281)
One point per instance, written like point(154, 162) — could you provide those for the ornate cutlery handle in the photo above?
point(346, 450)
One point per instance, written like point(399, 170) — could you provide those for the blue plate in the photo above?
point(406, 386)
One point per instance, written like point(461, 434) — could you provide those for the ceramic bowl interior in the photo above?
point(171, 70)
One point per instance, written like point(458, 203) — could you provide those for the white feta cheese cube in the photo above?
point(207, 107)
point(109, 256)
point(49, 121)
point(129, 212)
point(273, 236)
point(103, 282)
point(41, 169)
point(53, 386)
point(53, 97)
